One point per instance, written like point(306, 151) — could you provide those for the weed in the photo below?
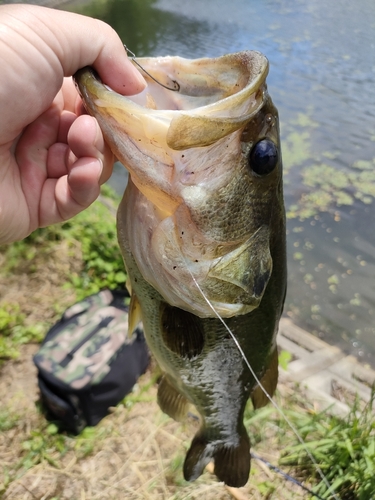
point(284, 359)
point(266, 488)
point(344, 449)
point(102, 262)
point(173, 472)
point(44, 444)
point(141, 393)
point(8, 420)
point(14, 332)
point(85, 442)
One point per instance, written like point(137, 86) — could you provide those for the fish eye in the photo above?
point(263, 157)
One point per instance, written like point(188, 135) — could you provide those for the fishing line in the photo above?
point(133, 58)
point(285, 475)
point(320, 472)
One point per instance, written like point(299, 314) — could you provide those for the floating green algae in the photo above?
point(324, 185)
point(295, 149)
point(331, 188)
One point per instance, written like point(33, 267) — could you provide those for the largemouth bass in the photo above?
point(202, 231)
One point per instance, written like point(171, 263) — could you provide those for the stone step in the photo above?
point(330, 378)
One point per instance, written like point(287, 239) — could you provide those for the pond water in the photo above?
point(322, 79)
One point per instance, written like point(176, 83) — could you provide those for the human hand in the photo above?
point(52, 156)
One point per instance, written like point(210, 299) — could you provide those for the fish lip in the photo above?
point(253, 84)
point(82, 77)
point(184, 126)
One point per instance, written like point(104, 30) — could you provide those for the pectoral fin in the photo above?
point(181, 331)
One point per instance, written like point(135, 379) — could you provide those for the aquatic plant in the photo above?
point(324, 184)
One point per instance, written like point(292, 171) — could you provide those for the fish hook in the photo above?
point(133, 58)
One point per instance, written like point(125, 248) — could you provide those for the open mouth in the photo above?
point(225, 92)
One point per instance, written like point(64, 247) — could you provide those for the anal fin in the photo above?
point(268, 381)
point(171, 401)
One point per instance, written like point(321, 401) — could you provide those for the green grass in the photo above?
point(15, 332)
point(343, 448)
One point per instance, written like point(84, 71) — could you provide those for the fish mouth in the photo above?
point(215, 97)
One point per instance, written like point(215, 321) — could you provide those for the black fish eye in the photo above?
point(263, 157)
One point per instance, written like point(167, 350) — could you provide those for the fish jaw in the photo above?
point(124, 124)
point(217, 97)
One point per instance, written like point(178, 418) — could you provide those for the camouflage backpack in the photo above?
point(87, 362)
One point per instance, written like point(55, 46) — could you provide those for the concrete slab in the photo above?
point(331, 378)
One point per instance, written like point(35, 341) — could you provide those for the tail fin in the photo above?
point(232, 462)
